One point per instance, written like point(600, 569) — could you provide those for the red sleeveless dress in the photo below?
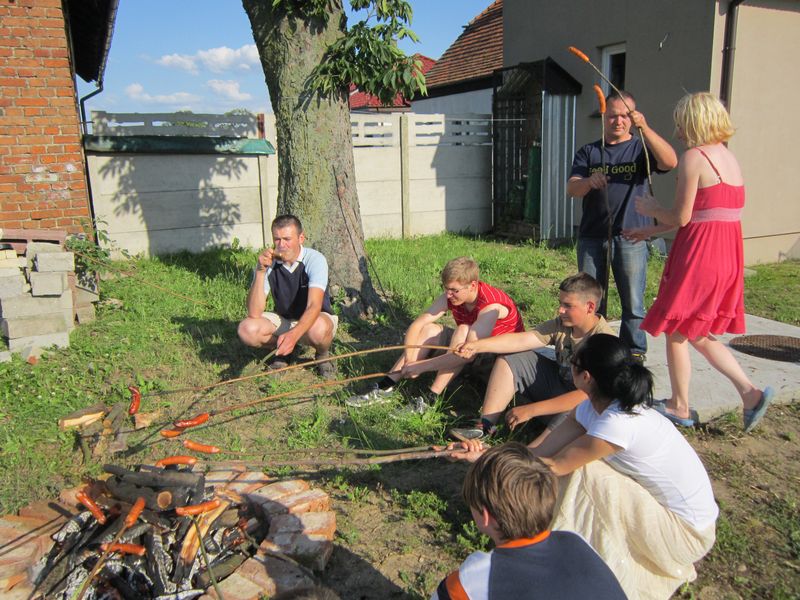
point(702, 287)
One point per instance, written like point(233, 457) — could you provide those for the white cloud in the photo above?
point(228, 89)
point(216, 60)
point(179, 61)
point(135, 91)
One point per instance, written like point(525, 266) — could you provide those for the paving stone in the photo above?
point(23, 541)
point(12, 263)
point(85, 314)
point(60, 340)
point(84, 296)
point(238, 587)
point(44, 324)
point(12, 286)
point(28, 306)
point(31, 354)
point(34, 248)
point(49, 510)
point(248, 481)
point(48, 284)
point(46, 262)
point(273, 575)
point(5, 356)
point(313, 551)
point(321, 523)
point(10, 272)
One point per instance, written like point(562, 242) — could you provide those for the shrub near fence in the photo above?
point(415, 174)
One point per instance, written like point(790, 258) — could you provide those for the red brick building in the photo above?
point(43, 45)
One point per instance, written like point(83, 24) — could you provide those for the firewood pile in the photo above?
point(191, 534)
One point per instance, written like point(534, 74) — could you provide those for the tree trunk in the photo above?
point(314, 143)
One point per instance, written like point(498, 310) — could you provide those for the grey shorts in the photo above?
point(536, 378)
point(282, 324)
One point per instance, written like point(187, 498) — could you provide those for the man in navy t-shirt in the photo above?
point(297, 278)
point(625, 178)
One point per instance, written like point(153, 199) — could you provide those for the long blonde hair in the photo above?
point(702, 119)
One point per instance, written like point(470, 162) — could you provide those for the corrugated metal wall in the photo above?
point(558, 213)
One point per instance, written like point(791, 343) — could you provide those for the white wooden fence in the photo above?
point(415, 174)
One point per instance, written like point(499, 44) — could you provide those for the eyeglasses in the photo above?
point(454, 291)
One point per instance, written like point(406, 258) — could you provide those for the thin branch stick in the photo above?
point(206, 559)
point(337, 451)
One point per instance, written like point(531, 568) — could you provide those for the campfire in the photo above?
point(177, 533)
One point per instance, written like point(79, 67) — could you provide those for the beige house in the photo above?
point(745, 51)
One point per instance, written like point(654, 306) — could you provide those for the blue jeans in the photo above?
point(629, 265)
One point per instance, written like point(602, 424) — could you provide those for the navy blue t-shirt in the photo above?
point(625, 167)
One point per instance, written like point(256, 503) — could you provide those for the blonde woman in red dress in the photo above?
point(701, 293)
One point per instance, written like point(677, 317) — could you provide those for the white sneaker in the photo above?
point(416, 406)
point(374, 396)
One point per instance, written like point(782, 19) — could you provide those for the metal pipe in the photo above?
point(728, 51)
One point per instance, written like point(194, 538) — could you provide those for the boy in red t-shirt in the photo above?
point(479, 311)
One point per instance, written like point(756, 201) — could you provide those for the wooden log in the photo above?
point(191, 543)
point(156, 499)
point(156, 479)
point(84, 416)
point(114, 417)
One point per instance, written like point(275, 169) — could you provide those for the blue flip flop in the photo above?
point(754, 415)
point(661, 407)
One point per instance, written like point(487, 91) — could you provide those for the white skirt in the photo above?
point(649, 548)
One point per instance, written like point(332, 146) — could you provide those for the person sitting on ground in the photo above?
point(631, 485)
point(511, 495)
point(297, 278)
point(544, 384)
point(479, 311)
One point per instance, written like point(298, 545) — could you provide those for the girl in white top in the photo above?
point(633, 487)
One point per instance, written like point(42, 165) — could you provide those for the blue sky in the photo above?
point(199, 55)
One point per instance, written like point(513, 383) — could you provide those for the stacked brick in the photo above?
point(42, 175)
point(36, 301)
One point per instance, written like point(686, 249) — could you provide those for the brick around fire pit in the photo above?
point(297, 531)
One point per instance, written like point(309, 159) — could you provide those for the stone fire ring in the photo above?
point(301, 527)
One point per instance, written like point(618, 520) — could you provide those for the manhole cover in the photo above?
point(772, 347)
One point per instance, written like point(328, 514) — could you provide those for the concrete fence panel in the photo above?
point(415, 174)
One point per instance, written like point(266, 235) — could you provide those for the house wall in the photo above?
point(674, 47)
point(476, 101)
point(42, 180)
point(415, 174)
point(763, 108)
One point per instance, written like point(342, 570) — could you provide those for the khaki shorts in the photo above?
point(282, 324)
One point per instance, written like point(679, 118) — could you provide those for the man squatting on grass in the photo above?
point(545, 384)
point(624, 180)
point(479, 311)
point(297, 278)
point(512, 496)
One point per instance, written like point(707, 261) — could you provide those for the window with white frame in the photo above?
point(613, 66)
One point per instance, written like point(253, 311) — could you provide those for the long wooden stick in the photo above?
point(332, 357)
point(585, 59)
point(227, 409)
point(339, 451)
point(330, 462)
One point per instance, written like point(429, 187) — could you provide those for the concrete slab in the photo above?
point(711, 393)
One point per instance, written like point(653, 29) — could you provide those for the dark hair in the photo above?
point(623, 95)
point(584, 285)
point(282, 221)
point(616, 374)
point(515, 487)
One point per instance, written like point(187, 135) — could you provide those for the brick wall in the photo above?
point(42, 178)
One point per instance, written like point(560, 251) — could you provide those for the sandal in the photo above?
point(752, 416)
point(661, 407)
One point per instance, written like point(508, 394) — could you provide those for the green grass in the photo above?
point(159, 341)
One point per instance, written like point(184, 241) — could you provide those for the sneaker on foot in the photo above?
point(477, 431)
point(375, 395)
point(280, 362)
point(326, 370)
point(416, 406)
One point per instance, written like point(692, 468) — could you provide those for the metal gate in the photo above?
point(533, 143)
